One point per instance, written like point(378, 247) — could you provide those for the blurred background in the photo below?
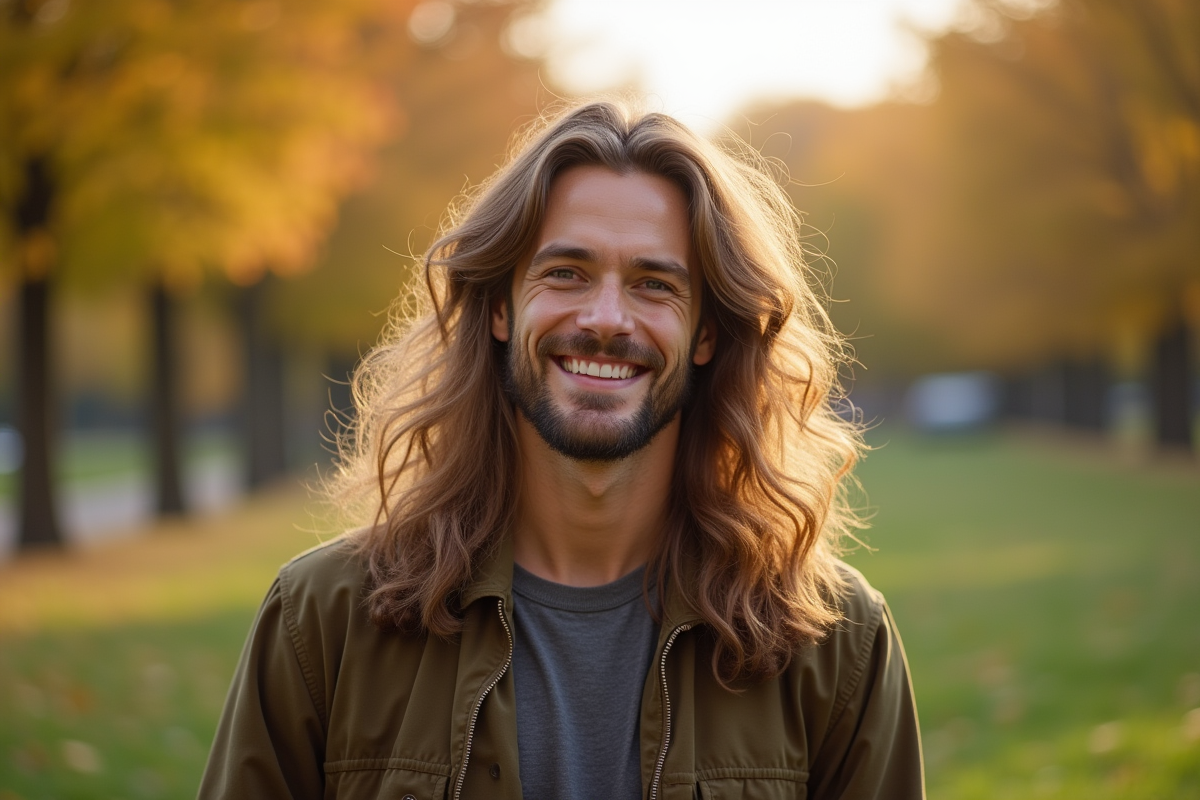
point(208, 209)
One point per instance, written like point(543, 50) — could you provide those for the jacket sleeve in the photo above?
point(270, 741)
point(873, 746)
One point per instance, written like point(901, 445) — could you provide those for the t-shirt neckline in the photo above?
point(579, 599)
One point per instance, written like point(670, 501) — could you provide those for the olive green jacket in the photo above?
point(326, 705)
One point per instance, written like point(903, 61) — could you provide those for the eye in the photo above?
point(562, 273)
point(655, 285)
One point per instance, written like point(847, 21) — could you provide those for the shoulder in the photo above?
point(327, 567)
point(836, 667)
point(861, 605)
point(866, 741)
point(861, 609)
point(324, 587)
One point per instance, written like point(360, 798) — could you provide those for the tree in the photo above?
point(1075, 142)
point(1040, 209)
point(157, 141)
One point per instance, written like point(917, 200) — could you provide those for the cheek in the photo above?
point(670, 328)
point(543, 314)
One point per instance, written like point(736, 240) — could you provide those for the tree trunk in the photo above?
point(1172, 387)
point(164, 405)
point(1085, 395)
point(1046, 395)
point(37, 518)
point(262, 411)
point(36, 421)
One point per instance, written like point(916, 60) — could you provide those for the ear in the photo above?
point(500, 319)
point(706, 343)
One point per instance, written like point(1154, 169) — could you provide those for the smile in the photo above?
point(581, 366)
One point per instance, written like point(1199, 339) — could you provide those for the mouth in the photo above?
point(620, 370)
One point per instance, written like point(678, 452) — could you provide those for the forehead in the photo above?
point(624, 214)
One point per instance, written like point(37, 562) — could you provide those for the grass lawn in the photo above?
point(1048, 599)
point(114, 661)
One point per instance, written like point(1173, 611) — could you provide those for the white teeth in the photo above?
point(614, 372)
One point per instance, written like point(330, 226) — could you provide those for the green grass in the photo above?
point(115, 712)
point(114, 661)
point(1049, 604)
point(1048, 600)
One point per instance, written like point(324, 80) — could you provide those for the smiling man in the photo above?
point(609, 280)
point(600, 482)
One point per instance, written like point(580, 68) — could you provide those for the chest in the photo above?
point(441, 722)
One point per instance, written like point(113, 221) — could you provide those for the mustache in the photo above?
point(581, 344)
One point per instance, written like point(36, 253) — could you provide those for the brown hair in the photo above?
point(757, 505)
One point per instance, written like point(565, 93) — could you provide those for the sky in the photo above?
point(703, 59)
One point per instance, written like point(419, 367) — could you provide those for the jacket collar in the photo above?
point(678, 610)
point(494, 579)
point(494, 576)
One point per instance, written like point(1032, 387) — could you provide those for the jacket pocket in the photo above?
point(773, 784)
point(392, 778)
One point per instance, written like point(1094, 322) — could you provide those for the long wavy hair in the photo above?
point(758, 503)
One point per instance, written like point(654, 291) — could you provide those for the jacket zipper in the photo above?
point(666, 742)
point(462, 773)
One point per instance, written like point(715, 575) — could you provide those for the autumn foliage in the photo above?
point(1042, 209)
point(164, 143)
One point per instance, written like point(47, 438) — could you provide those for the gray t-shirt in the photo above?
point(580, 657)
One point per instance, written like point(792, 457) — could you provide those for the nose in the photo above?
point(606, 311)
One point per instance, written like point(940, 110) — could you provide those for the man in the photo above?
point(601, 486)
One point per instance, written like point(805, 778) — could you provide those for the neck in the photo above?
point(589, 523)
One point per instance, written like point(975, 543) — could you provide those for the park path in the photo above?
point(107, 508)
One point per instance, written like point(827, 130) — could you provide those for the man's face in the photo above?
point(604, 323)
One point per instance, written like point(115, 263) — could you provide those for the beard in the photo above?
point(587, 431)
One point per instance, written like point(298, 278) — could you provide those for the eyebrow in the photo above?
point(555, 251)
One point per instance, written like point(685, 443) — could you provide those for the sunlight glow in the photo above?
point(701, 60)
